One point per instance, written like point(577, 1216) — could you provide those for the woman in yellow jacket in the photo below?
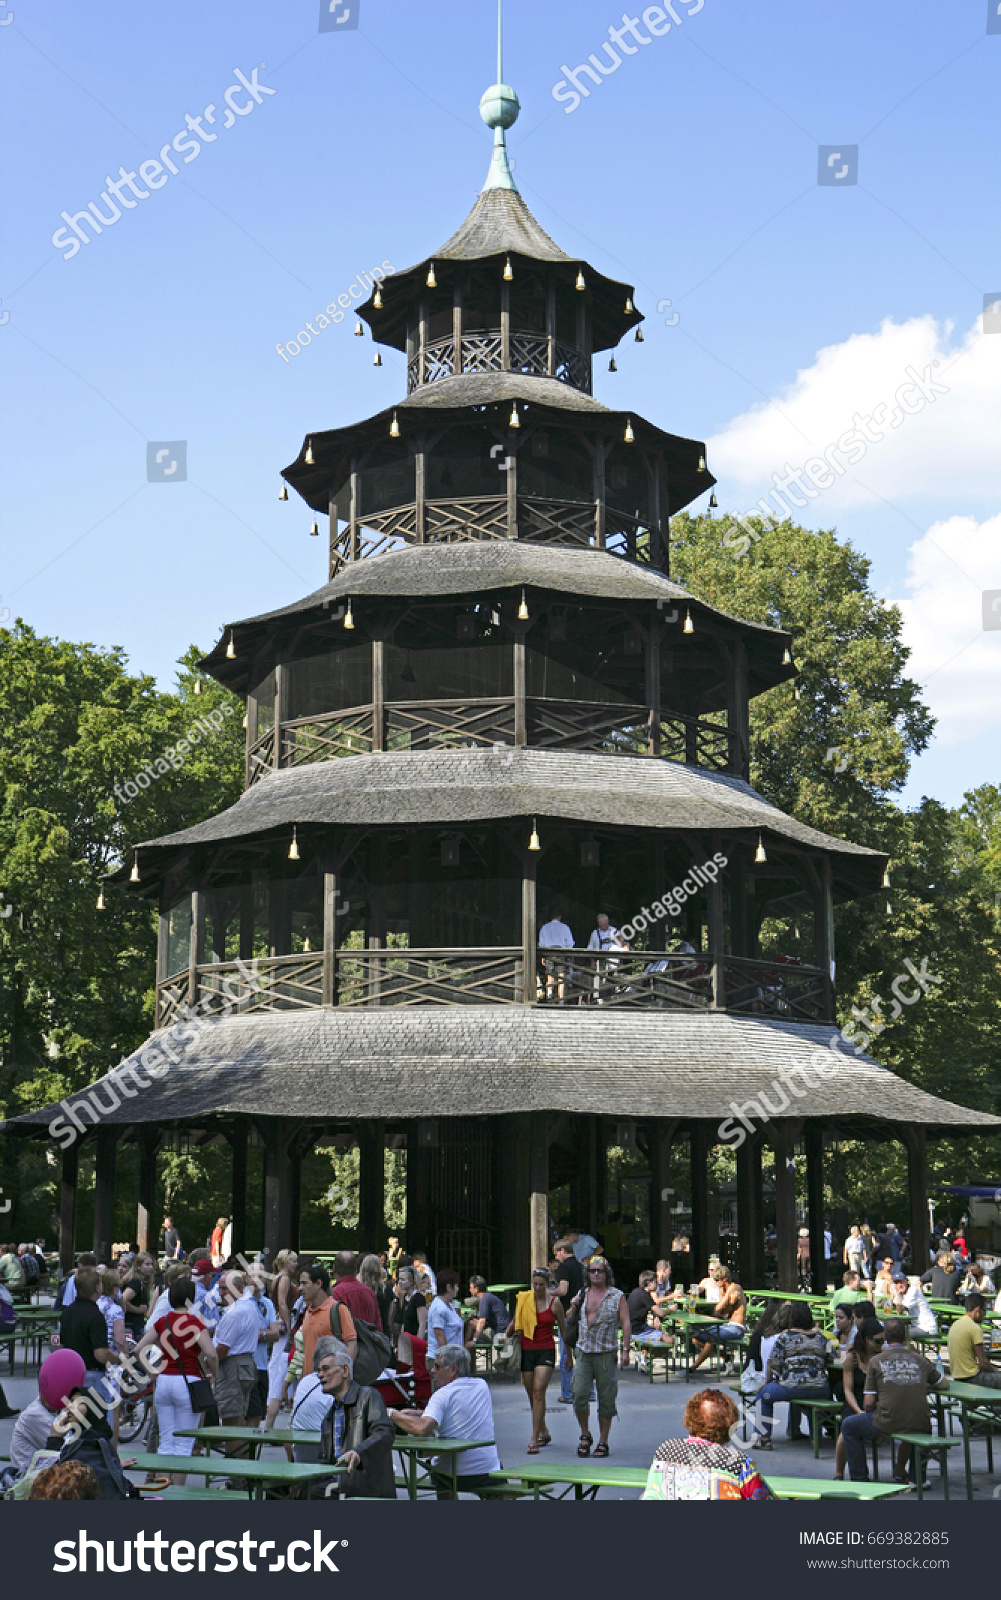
point(538, 1311)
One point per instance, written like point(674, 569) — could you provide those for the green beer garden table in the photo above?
point(585, 1478)
point(260, 1475)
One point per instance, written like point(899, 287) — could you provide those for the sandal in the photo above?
point(532, 1449)
point(584, 1448)
point(601, 1450)
point(546, 1439)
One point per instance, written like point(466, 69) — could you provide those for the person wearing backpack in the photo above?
point(323, 1315)
point(29, 1266)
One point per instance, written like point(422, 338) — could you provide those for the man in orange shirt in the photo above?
point(321, 1316)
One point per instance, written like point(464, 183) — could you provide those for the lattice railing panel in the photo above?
point(588, 725)
point(651, 980)
point(261, 757)
point(529, 353)
point(398, 522)
point(775, 989)
point(700, 743)
point(444, 724)
point(480, 517)
point(341, 733)
point(573, 367)
point(429, 977)
point(556, 521)
point(171, 996)
point(481, 352)
point(273, 983)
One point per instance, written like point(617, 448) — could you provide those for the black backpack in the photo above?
point(99, 1454)
point(374, 1350)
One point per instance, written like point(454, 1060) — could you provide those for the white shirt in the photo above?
point(266, 1314)
point(69, 1293)
point(585, 1246)
point(207, 1310)
point(920, 1310)
point(463, 1410)
point(601, 940)
point(31, 1433)
point(555, 935)
point(239, 1326)
point(311, 1405)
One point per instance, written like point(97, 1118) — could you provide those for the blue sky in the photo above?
point(691, 171)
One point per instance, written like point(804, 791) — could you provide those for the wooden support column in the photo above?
point(378, 695)
point(520, 702)
point(196, 943)
point(330, 898)
point(538, 1221)
point(529, 924)
point(814, 1142)
point(332, 527)
point(276, 754)
point(824, 921)
point(354, 503)
point(551, 324)
point(916, 1141)
point(104, 1192)
point(420, 494)
point(420, 1153)
point(505, 326)
point(701, 1244)
point(149, 1141)
point(653, 688)
point(511, 477)
point(371, 1186)
point(784, 1145)
point(750, 1229)
point(247, 922)
point(717, 939)
point(660, 1133)
point(296, 1152)
point(277, 1187)
point(600, 452)
point(162, 958)
point(238, 1192)
point(457, 328)
point(67, 1208)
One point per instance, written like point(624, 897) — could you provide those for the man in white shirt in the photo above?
point(459, 1408)
point(311, 1405)
point(603, 935)
point(235, 1339)
point(555, 935)
point(269, 1329)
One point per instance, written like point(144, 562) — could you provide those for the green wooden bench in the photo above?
point(818, 1409)
point(655, 1350)
point(929, 1444)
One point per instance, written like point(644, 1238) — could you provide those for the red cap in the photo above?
point(202, 1267)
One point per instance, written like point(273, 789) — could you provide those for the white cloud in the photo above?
point(950, 444)
point(945, 453)
point(957, 664)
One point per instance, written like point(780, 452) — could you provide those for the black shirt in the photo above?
point(570, 1273)
point(944, 1285)
point(82, 1328)
point(639, 1303)
point(410, 1323)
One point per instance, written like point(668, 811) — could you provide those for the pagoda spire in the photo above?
point(499, 108)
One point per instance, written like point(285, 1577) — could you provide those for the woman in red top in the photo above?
point(538, 1311)
point(183, 1339)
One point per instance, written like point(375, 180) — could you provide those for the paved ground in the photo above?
point(648, 1413)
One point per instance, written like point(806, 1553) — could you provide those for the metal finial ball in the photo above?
point(499, 106)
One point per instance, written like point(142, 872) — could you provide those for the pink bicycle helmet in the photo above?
point(60, 1372)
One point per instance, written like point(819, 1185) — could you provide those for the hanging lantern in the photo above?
point(198, 686)
point(305, 945)
point(359, 330)
point(293, 849)
point(508, 274)
point(702, 464)
point(639, 336)
point(308, 458)
point(378, 359)
point(611, 365)
point(581, 285)
point(377, 298)
point(759, 854)
point(230, 651)
point(796, 692)
point(523, 608)
point(533, 838)
point(886, 877)
point(245, 720)
point(713, 502)
point(889, 909)
point(689, 624)
point(349, 620)
point(629, 435)
point(134, 874)
point(629, 305)
point(786, 657)
point(283, 493)
point(432, 280)
point(514, 421)
point(100, 900)
point(314, 532)
point(394, 428)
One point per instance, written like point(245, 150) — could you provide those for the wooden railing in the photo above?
point(484, 352)
point(636, 980)
point(457, 724)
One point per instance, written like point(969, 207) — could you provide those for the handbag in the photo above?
point(573, 1319)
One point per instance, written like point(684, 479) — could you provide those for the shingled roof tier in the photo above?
point(488, 1061)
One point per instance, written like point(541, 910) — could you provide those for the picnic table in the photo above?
point(585, 1478)
point(830, 1489)
point(409, 1445)
point(970, 1397)
point(685, 1322)
point(252, 1436)
point(261, 1475)
point(507, 1292)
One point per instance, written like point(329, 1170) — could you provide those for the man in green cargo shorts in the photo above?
point(601, 1311)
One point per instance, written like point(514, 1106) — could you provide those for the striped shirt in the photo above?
point(603, 1333)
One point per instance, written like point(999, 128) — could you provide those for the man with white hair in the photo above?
point(459, 1408)
point(356, 1431)
point(310, 1406)
point(236, 1337)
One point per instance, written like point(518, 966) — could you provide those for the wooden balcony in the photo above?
point(531, 353)
point(550, 724)
point(356, 979)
